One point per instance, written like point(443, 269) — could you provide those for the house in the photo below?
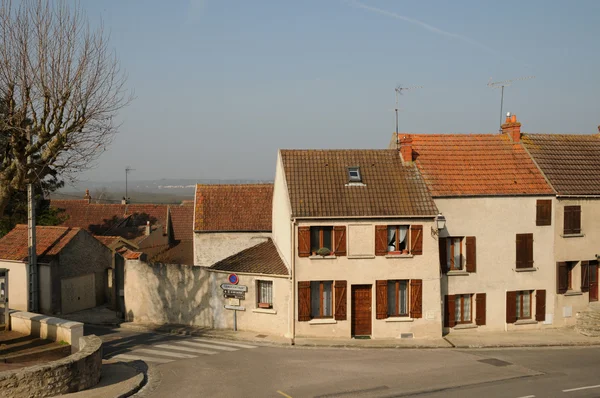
point(358, 230)
point(496, 255)
point(571, 164)
point(72, 268)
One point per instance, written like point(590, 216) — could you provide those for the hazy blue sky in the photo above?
point(221, 85)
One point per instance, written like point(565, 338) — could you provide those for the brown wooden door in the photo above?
point(361, 310)
point(593, 270)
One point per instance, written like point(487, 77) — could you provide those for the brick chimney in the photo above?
point(87, 196)
point(406, 148)
point(512, 128)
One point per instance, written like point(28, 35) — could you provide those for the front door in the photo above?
point(593, 270)
point(361, 310)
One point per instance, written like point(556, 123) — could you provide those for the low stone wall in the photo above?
point(47, 327)
point(74, 373)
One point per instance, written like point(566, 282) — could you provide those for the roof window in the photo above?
point(354, 174)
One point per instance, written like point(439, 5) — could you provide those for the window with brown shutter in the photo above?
point(416, 298)
point(585, 276)
point(523, 304)
point(303, 241)
point(339, 236)
point(416, 239)
point(480, 308)
point(340, 300)
point(449, 310)
point(543, 214)
point(381, 244)
point(540, 305)
point(453, 253)
point(303, 301)
point(471, 254)
point(572, 220)
point(321, 240)
point(524, 246)
point(398, 299)
point(463, 310)
point(511, 307)
point(563, 277)
point(381, 299)
point(443, 255)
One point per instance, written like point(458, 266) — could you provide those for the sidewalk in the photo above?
point(117, 380)
point(531, 338)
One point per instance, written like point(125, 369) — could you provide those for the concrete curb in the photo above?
point(120, 389)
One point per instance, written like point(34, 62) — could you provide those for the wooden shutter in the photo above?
point(480, 309)
point(303, 301)
point(562, 277)
point(340, 300)
point(528, 250)
point(416, 298)
point(471, 254)
point(381, 244)
point(416, 239)
point(443, 255)
point(576, 225)
point(449, 304)
point(303, 241)
point(519, 246)
point(543, 212)
point(511, 307)
point(339, 234)
point(585, 276)
point(381, 299)
point(572, 220)
point(540, 305)
point(524, 245)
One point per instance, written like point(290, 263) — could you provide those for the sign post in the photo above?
point(234, 293)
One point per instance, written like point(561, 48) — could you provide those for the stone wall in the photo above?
point(47, 328)
point(74, 373)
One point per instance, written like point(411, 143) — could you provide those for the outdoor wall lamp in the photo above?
point(441, 221)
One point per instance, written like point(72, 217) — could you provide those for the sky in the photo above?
point(220, 86)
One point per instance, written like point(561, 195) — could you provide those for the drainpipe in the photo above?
point(292, 306)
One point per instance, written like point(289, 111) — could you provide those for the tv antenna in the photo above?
point(501, 85)
point(398, 91)
point(128, 169)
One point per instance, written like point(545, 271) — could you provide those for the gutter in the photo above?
point(359, 218)
point(292, 306)
point(579, 196)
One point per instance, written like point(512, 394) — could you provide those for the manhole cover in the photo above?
point(494, 362)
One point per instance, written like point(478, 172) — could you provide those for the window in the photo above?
point(543, 214)
point(462, 308)
point(321, 299)
point(397, 298)
point(354, 174)
point(397, 237)
point(264, 294)
point(523, 305)
point(321, 238)
point(524, 245)
point(572, 224)
point(565, 276)
point(454, 257)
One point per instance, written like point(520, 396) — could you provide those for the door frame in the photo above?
point(368, 287)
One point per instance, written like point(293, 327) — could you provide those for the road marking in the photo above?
point(214, 347)
point(284, 394)
point(165, 353)
point(223, 342)
point(528, 396)
point(187, 349)
point(142, 358)
point(581, 388)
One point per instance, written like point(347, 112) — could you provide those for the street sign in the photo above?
point(235, 307)
point(239, 288)
point(237, 295)
point(233, 301)
point(233, 279)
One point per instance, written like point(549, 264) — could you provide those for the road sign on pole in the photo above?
point(239, 288)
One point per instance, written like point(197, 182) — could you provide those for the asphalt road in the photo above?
point(191, 367)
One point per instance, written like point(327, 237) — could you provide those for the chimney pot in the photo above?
point(87, 196)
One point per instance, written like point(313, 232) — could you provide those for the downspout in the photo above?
point(292, 306)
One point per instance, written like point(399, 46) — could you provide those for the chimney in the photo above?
point(512, 128)
point(147, 228)
point(87, 196)
point(406, 148)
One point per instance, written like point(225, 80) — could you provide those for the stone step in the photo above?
point(589, 333)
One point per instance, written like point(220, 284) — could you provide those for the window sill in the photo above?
point(457, 273)
point(465, 326)
point(526, 322)
point(399, 319)
point(573, 293)
point(529, 269)
point(572, 235)
point(399, 256)
point(358, 256)
point(264, 311)
point(327, 321)
point(332, 257)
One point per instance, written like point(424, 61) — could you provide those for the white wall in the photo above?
point(211, 247)
point(17, 284)
point(282, 212)
point(78, 293)
point(45, 279)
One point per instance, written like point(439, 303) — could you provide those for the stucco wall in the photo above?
point(45, 280)
point(17, 284)
point(495, 222)
point(362, 267)
point(191, 295)
point(282, 211)
point(211, 247)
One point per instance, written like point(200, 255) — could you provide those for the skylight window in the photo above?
point(354, 174)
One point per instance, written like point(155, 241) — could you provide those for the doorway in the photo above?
point(361, 310)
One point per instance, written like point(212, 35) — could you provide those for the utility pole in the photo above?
point(127, 170)
point(32, 274)
point(501, 85)
point(398, 91)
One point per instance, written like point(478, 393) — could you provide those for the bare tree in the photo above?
point(61, 84)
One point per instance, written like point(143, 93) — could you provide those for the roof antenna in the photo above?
point(502, 84)
point(398, 91)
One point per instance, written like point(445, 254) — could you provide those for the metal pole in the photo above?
point(397, 135)
point(31, 238)
point(235, 320)
point(126, 172)
point(501, 106)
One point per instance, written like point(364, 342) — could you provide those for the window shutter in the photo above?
point(381, 243)
point(511, 307)
point(480, 309)
point(562, 277)
point(339, 234)
point(529, 250)
point(381, 299)
point(443, 255)
point(340, 300)
point(543, 212)
point(303, 301)
point(576, 224)
point(540, 305)
point(449, 304)
point(471, 254)
point(303, 241)
point(524, 245)
point(416, 298)
point(519, 244)
point(585, 276)
point(416, 238)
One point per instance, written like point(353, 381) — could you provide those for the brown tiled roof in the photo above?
point(317, 183)
point(476, 165)
point(113, 241)
point(131, 255)
point(181, 253)
point(242, 207)
point(260, 259)
point(570, 162)
point(49, 242)
point(182, 219)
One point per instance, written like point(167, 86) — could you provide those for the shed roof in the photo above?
point(260, 259)
point(50, 241)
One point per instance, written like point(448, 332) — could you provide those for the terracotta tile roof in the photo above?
point(241, 207)
point(114, 241)
point(260, 259)
point(182, 219)
point(49, 242)
point(131, 255)
point(476, 165)
point(570, 162)
point(181, 253)
point(317, 183)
